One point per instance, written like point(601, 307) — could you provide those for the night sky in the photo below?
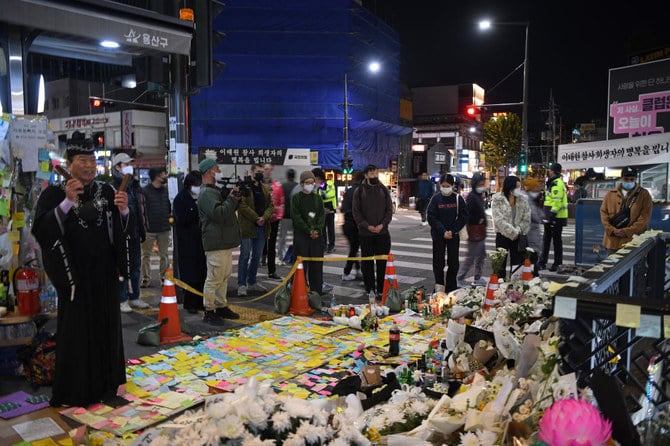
point(572, 45)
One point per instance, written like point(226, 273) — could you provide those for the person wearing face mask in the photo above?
point(309, 219)
point(447, 213)
point(476, 233)
point(158, 213)
point(220, 235)
point(254, 215)
point(130, 292)
point(630, 194)
point(533, 188)
point(191, 260)
point(555, 218)
point(510, 213)
point(372, 209)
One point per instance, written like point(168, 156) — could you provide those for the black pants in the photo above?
point(271, 247)
point(372, 245)
point(552, 233)
point(305, 246)
point(512, 247)
point(422, 205)
point(440, 246)
point(329, 229)
point(350, 230)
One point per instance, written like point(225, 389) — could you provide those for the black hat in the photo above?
point(629, 172)
point(78, 144)
point(556, 168)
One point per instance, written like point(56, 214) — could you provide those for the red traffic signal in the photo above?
point(97, 103)
point(472, 111)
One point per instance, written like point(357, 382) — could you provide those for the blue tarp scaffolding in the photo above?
point(283, 82)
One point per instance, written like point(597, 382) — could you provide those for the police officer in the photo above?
point(555, 218)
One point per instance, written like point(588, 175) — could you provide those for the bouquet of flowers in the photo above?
point(498, 258)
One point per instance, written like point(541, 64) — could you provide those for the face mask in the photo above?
point(373, 181)
point(258, 176)
point(480, 190)
point(628, 186)
point(127, 170)
point(517, 193)
point(446, 190)
point(218, 176)
point(308, 188)
point(195, 190)
point(532, 194)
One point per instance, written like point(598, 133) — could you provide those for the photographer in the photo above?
point(627, 195)
point(220, 235)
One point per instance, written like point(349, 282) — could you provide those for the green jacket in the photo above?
point(218, 222)
point(556, 198)
point(248, 216)
point(301, 205)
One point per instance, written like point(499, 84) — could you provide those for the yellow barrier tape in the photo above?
point(169, 276)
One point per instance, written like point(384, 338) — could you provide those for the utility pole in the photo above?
point(551, 133)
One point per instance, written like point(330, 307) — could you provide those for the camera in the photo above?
point(243, 187)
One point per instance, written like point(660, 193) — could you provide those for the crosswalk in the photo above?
point(411, 246)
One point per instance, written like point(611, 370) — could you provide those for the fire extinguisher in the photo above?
point(27, 288)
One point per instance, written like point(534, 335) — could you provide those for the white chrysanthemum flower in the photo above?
point(256, 416)
point(294, 440)
point(321, 418)
point(218, 409)
point(312, 434)
point(548, 349)
point(231, 427)
point(420, 407)
point(252, 440)
point(486, 437)
point(469, 439)
point(162, 441)
point(395, 416)
point(281, 422)
point(297, 408)
point(338, 442)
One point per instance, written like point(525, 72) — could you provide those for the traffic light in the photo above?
point(523, 163)
point(347, 166)
point(472, 111)
point(99, 103)
point(98, 139)
point(205, 39)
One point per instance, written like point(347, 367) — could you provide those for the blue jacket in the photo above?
point(443, 215)
point(426, 189)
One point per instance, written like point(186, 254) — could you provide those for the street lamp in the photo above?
point(485, 25)
point(373, 67)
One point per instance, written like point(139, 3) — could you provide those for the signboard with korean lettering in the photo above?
point(248, 156)
point(26, 136)
point(440, 157)
point(652, 149)
point(127, 129)
point(639, 100)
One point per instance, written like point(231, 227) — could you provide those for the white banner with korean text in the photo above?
point(650, 149)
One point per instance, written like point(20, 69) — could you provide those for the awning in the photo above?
point(639, 150)
point(385, 128)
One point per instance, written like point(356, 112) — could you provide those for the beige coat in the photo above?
point(640, 214)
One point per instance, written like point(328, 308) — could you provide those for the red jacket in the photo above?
point(278, 200)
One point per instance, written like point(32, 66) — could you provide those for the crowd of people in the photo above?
point(97, 239)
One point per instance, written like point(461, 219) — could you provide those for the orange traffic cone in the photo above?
point(526, 271)
point(490, 289)
point(299, 299)
point(390, 278)
point(170, 332)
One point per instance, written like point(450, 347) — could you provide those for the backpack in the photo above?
point(39, 359)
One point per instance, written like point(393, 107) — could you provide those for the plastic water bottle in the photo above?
point(44, 299)
point(333, 300)
point(372, 298)
point(53, 297)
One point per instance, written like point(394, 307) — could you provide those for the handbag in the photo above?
point(622, 218)
point(463, 233)
point(476, 232)
point(283, 299)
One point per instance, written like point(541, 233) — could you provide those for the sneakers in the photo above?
point(125, 307)
point(326, 287)
point(462, 284)
point(227, 313)
point(330, 250)
point(139, 304)
point(480, 282)
point(348, 277)
point(242, 290)
point(145, 283)
point(554, 268)
point(424, 223)
point(439, 288)
point(274, 276)
point(212, 318)
point(257, 287)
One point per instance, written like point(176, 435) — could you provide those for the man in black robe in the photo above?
point(81, 226)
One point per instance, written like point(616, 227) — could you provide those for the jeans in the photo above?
point(163, 239)
point(475, 257)
point(350, 230)
point(219, 269)
point(373, 245)
point(440, 245)
point(134, 253)
point(285, 227)
point(251, 250)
